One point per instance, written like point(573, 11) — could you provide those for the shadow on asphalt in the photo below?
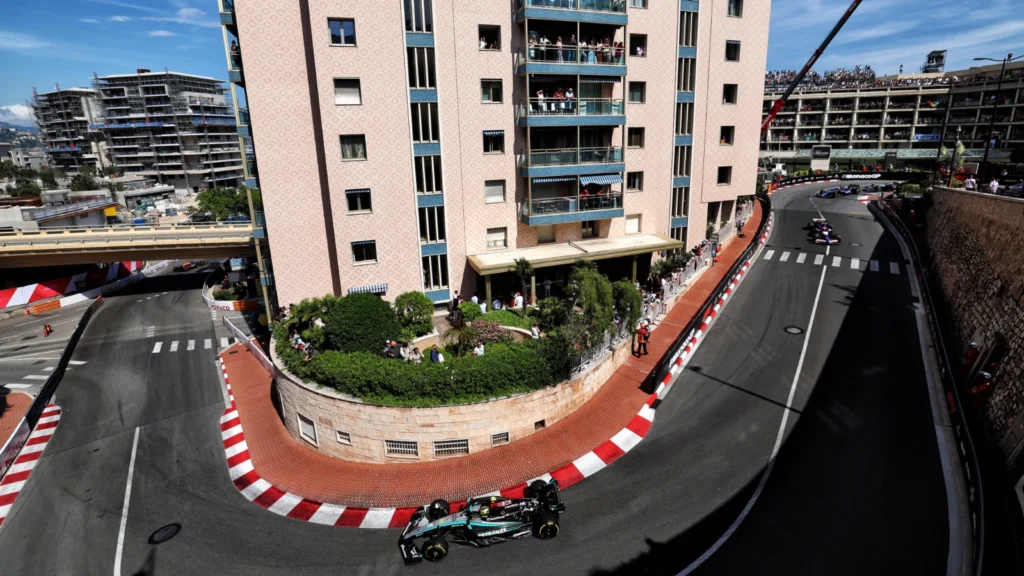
point(857, 484)
point(169, 282)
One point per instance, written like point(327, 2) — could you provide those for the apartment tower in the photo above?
point(64, 117)
point(429, 144)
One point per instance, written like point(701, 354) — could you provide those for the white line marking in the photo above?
point(19, 386)
point(836, 260)
point(46, 419)
point(626, 439)
point(855, 263)
point(76, 362)
point(174, 346)
point(253, 491)
point(229, 416)
point(784, 257)
point(207, 344)
point(233, 431)
point(49, 369)
point(240, 470)
point(223, 342)
point(377, 518)
point(288, 501)
point(818, 259)
point(137, 301)
point(589, 464)
point(327, 514)
point(157, 347)
point(768, 255)
point(22, 467)
point(236, 449)
point(34, 377)
point(894, 268)
point(874, 265)
point(801, 257)
point(124, 507)
point(191, 345)
point(12, 488)
point(775, 450)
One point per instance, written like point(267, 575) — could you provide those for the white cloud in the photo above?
point(873, 33)
point(17, 114)
point(160, 33)
point(187, 16)
point(90, 20)
point(120, 19)
point(126, 5)
point(19, 41)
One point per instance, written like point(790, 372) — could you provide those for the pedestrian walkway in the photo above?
point(173, 346)
point(784, 257)
point(17, 407)
point(287, 466)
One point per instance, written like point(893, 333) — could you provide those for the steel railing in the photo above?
point(573, 54)
point(592, 5)
point(573, 107)
point(569, 156)
point(570, 204)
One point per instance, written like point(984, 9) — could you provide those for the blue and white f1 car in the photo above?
point(484, 521)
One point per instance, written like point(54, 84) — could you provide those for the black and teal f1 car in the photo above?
point(484, 521)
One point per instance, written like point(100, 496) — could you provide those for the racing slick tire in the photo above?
point(435, 549)
point(438, 509)
point(536, 489)
point(546, 527)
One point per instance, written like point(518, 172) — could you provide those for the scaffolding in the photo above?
point(64, 117)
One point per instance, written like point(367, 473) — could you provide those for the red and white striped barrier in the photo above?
point(17, 475)
point(64, 286)
point(767, 230)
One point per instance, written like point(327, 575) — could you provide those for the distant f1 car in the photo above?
point(888, 187)
point(827, 193)
point(871, 188)
point(484, 521)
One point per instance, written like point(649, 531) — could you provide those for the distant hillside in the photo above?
point(29, 129)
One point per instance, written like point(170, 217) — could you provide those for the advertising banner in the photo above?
point(13, 446)
point(821, 157)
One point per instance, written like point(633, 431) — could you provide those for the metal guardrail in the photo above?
point(968, 454)
point(85, 236)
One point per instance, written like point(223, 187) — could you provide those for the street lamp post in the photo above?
point(952, 157)
point(992, 122)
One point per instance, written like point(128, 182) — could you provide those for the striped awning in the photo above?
point(357, 191)
point(358, 242)
point(372, 289)
point(601, 179)
point(600, 79)
point(550, 179)
point(493, 132)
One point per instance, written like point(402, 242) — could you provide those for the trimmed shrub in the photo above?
point(628, 302)
point(552, 312)
point(491, 332)
point(416, 312)
point(360, 323)
point(507, 318)
point(470, 311)
point(223, 295)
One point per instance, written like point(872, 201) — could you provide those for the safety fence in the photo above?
point(965, 445)
point(251, 344)
point(829, 176)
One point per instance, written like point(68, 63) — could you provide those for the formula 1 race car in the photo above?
point(484, 521)
point(821, 232)
point(184, 267)
point(871, 188)
point(828, 193)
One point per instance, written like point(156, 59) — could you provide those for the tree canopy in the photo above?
point(85, 179)
point(222, 203)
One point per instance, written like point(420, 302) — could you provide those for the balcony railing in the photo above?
point(243, 116)
point(594, 5)
point(582, 107)
point(573, 54)
point(570, 156)
point(570, 204)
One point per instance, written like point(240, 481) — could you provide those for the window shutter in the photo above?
point(494, 191)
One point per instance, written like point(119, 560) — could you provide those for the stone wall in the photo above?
point(369, 426)
point(977, 247)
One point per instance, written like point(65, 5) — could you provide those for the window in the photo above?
point(684, 119)
point(589, 228)
point(732, 51)
point(724, 174)
point(401, 447)
point(736, 8)
point(420, 61)
point(424, 122)
point(634, 181)
point(729, 94)
point(490, 37)
point(435, 272)
point(638, 92)
point(681, 161)
point(450, 447)
point(638, 3)
point(494, 191)
point(353, 147)
point(359, 200)
point(428, 174)
point(635, 138)
point(688, 29)
point(419, 16)
point(499, 439)
point(343, 437)
point(687, 77)
point(364, 251)
point(343, 31)
point(432, 227)
point(681, 202)
point(346, 92)
point(633, 224)
point(726, 135)
point(678, 233)
point(490, 91)
point(307, 428)
point(497, 238)
point(545, 234)
point(494, 141)
point(638, 45)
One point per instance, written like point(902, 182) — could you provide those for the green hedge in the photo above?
point(360, 323)
point(504, 369)
point(507, 318)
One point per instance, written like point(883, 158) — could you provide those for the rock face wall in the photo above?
point(977, 246)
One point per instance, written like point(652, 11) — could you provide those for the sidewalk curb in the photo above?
point(17, 475)
point(257, 490)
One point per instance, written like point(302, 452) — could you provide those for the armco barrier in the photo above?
point(256, 349)
point(968, 456)
point(837, 176)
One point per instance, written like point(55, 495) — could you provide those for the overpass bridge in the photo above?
point(91, 244)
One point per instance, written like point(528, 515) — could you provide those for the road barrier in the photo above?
point(252, 345)
point(839, 176)
point(968, 455)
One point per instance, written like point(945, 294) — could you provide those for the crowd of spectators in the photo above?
point(864, 76)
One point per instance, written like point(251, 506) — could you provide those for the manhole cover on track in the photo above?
point(164, 533)
point(854, 243)
point(794, 330)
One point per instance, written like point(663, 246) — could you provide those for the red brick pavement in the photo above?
point(17, 406)
point(292, 466)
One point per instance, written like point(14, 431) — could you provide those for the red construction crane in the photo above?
point(810, 63)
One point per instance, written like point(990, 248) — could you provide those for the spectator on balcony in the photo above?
point(570, 99)
point(571, 52)
point(620, 49)
point(559, 100)
point(483, 43)
point(558, 49)
point(607, 47)
point(533, 48)
point(236, 55)
point(540, 101)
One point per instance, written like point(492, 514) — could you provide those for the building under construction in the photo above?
point(64, 117)
point(177, 128)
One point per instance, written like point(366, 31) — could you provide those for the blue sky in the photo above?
point(65, 41)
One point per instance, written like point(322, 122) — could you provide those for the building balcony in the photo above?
point(571, 161)
point(597, 11)
point(235, 76)
point(562, 210)
point(227, 13)
point(583, 112)
point(570, 60)
point(243, 116)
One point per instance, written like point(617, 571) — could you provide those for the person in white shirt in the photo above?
point(483, 307)
point(479, 349)
point(483, 43)
point(519, 300)
point(993, 186)
point(474, 299)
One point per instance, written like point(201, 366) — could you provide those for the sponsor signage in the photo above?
point(862, 176)
point(927, 137)
point(821, 152)
point(238, 264)
point(14, 445)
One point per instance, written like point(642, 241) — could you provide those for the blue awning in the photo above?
point(371, 289)
point(493, 132)
point(601, 179)
point(554, 179)
point(600, 79)
point(358, 242)
point(357, 191)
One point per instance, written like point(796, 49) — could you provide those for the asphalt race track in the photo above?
point(856, 488)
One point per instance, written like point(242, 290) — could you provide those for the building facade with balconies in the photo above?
point(64, 117)
point(178, 129)
point(429, 144)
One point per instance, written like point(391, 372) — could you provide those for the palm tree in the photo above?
point(524, 270)
point(460, 336)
